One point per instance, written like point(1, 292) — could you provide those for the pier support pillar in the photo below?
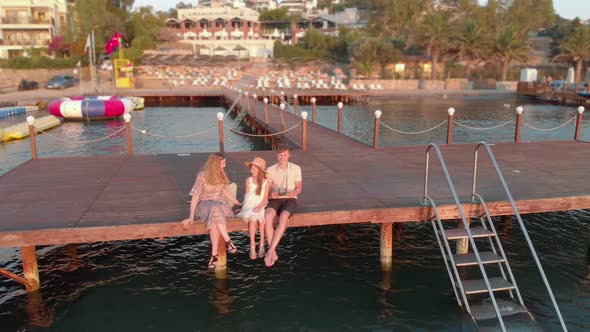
point(386, 247)
point(221, 265)
point(30, 268)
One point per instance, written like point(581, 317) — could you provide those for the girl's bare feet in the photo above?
point(253, 252)
point(261, 251)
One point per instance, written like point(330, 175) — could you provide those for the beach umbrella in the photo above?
point(239, 49)
point(219, 49)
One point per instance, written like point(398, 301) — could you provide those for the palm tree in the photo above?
point(576, 47)
point(435, 34)
point(471, 45)
point(510, 46)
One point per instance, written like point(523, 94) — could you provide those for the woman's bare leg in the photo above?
point(214, 236)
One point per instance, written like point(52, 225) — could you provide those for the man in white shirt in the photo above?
point(286, 184)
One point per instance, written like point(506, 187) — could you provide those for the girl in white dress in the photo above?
point(255, 200)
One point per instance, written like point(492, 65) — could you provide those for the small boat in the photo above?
point(21, 130)
point(90, 108)
point(585, 94)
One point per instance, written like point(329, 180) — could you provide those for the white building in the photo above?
point(264, 4)
point(221, 3)
point(298, 6)
point(29, 23)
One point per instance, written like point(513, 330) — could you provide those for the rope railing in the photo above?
point(549, 129)
point(83, 142)
point(413, 132)
point(353, 131)
point(146, 132)
point(263, 135)
point(483, 128)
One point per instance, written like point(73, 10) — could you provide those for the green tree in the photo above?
point(372, 53)
point(576, 48)
point(279, 14)
point(434, 33)
point(395, 18)
point(510, 46)
point(143, 28)
point(472, 44)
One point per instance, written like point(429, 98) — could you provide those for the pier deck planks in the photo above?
point(107, 198)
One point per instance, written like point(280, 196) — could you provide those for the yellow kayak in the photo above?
point(21, 130)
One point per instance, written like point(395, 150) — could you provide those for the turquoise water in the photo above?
point(327, 279)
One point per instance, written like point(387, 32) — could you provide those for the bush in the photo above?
point(21, 62)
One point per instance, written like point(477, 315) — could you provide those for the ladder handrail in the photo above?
point(451, 259)
point(520, 222)
point(500, 248)
point(464, 220)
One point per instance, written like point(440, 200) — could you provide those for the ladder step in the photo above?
point(461, 233)
point(485, 311)
point(476, 286)
point(487, 257)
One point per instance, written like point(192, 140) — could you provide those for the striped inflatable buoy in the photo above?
point(88, 108)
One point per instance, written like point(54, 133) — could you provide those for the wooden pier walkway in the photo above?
point(106, 198)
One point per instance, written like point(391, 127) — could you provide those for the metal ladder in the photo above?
point(241, 114)
point(464, 288)
point(476, 197)
point(496, 256)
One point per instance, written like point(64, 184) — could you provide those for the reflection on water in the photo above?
point(328, 277)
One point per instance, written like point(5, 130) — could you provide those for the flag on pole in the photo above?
point(113, 43)
point(87, 46)
point(78, 67)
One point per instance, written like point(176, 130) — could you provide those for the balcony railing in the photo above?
point(25, 20)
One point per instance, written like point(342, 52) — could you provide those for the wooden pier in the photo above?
point(52, 201)
point(546, 93)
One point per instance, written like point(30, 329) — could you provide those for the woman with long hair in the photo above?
point(211, 203)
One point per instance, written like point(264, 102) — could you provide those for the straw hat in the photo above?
point(258, 162)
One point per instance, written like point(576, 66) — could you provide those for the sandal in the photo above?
point(231, 247)
point(212, 262)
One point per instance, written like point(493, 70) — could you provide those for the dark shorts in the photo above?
point(280, 205)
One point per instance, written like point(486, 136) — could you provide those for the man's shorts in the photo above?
point(283, 204)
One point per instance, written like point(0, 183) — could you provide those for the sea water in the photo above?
point(328, 278)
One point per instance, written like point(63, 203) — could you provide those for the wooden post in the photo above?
point(376, 129)
point(579, 118)
point(221, 265)
point(304, 131)
point(282, 106)
point(313, 109)
point(519, 111)
point(265, 110)
point(451, 112)
point(32, 136)
point(30, 268)
point(386, 246)
point(254, 102)
point(127, 118)
point(220, 126)
point(247, 102)
point(340, 105)
point(296, 104)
